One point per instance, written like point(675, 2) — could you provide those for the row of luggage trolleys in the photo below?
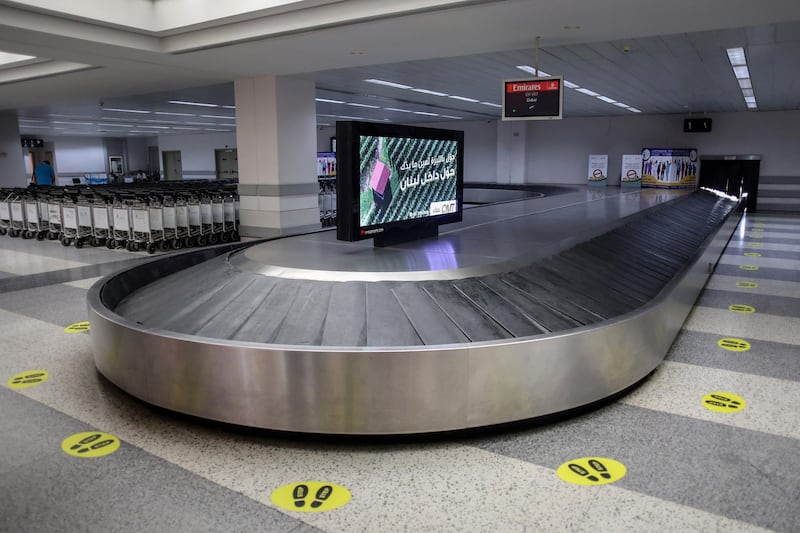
point(150, 221)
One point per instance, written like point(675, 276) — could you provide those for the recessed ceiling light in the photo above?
point(201, 123)
point(175, 114)
point(164, 121)
point(741, 72)
point(746, 83)
point(218, 116)
point(116, 125)
point(491, 104)
point(425, 113)
point(118, 110)
point(388, 83)
point(184, 128)
point(323, 124)
point(607, 99)
point(620, 104)
point(463, 98)
point(748, 92)
point(426, 91)
point(364, 105)
point(25, 126)
point(752, 105)
point(30, 120)
point(736, 56)
point(531, 70)
point(397, 110)
point(750, 99)
point(200, 104)
point(214, 129)
point(571, 85)
point(634, 110)
point(73, 123)
point(326, 100)
point(7, 58)
point(451, 116)
point(228, 106)
point(158, 127)
point(584, 90)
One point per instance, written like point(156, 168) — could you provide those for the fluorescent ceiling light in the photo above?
point(634, 110)
point(388, 83)
point(7, 58)
point(346, 117)
point(745, 83)
point(463, 98)
point(158, 127)
point(164, 121)
point(228, 106)
point(323, 124)
point(200, 104)
point(620, 104)
point(182, 128)
point(451, 116)
point(426, 91)
point(74, 123)
point(741, 72)
point(750, 99)
point(175, 114)
point(397, 110)
point(584, 90)
point(532, 70)
point(44, 127)
point(491, 104)
point(118, 110)
point(752, 105)
point(326, 100)
point(225, 124)
point(201, 123)
point(571, 85)
point(748, 92)
point(736, 56)
point(364, 105)
point(214, 129)
point(218, 116)
point(607, 99)
point(116, 125)
point(30, 120)
point(425, 113)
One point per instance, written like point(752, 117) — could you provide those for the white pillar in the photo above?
point(511, 151)
point(277, 144)
point(12, 162)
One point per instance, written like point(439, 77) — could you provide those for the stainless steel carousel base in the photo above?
point(386, 391)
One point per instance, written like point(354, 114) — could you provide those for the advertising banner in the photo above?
point(598, 170)
point(669, 168)
point(631, 177)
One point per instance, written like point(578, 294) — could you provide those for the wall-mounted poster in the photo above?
point(631, 176)
point(670, 168)
point(598, 170)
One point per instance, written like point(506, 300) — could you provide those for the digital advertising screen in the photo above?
point(533, 99)
point(399, 176)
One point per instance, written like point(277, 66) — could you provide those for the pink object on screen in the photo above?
point(380, 177)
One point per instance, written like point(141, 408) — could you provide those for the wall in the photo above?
point(76, 156)
point(12, 162)
point(136, 154)
point(197, 152)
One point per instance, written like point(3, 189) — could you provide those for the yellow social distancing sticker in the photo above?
point(591, 471)
point(741, 308)
point(747, 284)
point(29, 378)
point(90, 444)
point(733, 344)
point(310, 496)
point(77, 327)
point(724, 402)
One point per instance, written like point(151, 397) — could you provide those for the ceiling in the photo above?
point(654, 57)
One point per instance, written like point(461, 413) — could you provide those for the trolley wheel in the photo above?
point(164, 245)
point(110, 244)
point(119, 244)
point(95, 241)
point(78, 243)
point(188, 242)
point(3, 231)
point(225, 237)
point(29, 235)
point(51, 236)
point(41, 235)
point(235, 237)
point(213, 238)
point(202, 240)
point(151, 248)
point(13, 233)
point(66, 241)
point(177, 244)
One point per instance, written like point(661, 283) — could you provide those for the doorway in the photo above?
point(227, 161)
point(732, 174)
point(173, 169)
point(152, 160)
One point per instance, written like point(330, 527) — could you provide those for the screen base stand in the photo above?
point(400, 236)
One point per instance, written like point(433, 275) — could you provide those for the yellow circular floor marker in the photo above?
point(90, 444)
point(741, 308)
point(733, 344)
point(77, 327)
point(756, 236)
point(591, 471)
point(29, 378)
point(752, 254)
point(724, 402)
point(755, 244)
point(310, 496)
point(748, 267)
point(757, 230)
point(747, 284)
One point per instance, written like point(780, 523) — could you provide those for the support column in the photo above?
point(511, 155)
point(277, 143)
point(12, 163)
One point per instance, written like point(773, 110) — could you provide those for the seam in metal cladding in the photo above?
point(433, 388)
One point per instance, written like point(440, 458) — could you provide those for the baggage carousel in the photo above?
point(525, 309)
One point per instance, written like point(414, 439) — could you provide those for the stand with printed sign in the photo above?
point(631, 177)
point(598, 170)
point(670, 168)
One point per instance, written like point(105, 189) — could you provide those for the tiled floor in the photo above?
point(688, 468)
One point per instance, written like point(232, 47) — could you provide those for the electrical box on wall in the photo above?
point(697, 125)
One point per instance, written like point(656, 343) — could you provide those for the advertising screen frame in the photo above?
point(558, 116)
point(348, 181)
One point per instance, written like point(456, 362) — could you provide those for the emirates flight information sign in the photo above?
point(533, 99)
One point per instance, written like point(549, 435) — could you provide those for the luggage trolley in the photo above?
point(69, 221)
point(101, 218)
point(206, 220)
point(170, 219)
point(148, 224)
point(54, 220)
point(121, 225)
point(194, 221)
point(181, 222)
point(5, 210)
point(35, 227)
point(18, 224)
point(85, 221)
point(230, 230)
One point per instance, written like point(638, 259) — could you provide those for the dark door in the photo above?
point(732, 176)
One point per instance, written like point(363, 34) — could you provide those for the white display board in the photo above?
point(598, 170)
point(631, 175)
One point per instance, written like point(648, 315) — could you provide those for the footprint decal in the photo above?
point(90, 444)
point(724, 402)
point(310, 496)
point(591, 471)
point(26, 379)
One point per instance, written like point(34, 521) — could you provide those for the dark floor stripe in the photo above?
point(772, 305)
point(741, 474)
point(780, 274)
point(19, 283)
point(738, 250)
